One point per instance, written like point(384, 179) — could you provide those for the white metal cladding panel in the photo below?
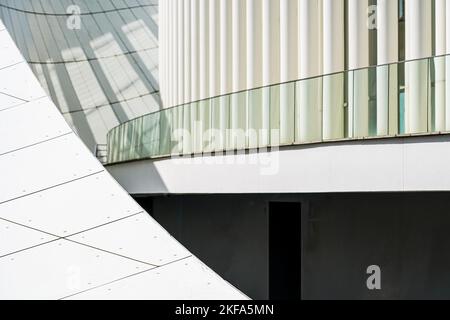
point(52, 188)
point(18, 81)
point(59, 269)
point(7, 101)
point(14, 237)
point(82, 205)
point(145, 241)
point(9, 54)
point(44, 166)
point(174, 281)
point(39, 116)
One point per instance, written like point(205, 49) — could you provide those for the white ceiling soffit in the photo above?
point(67, 229)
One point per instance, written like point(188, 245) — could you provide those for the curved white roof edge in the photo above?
point(67, 229)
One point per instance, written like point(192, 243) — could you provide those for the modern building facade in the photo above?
point(297, 147)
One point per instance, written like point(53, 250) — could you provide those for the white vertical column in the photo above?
point(418, 45)
point(187, 51)
point(358, 57)
point(387, 52)
point(333, 61)
point(309, 97)
point(447, 68)
point(195, 79)
point(288, 67)
point(270, 63)
point(254, 43)
point(180, 51)
point(239, 45)
point(254, 71)
point(439, 64)
point(225, 47)
point(203, 112)
point(195, 75)
point(288, 40)
point(162, 46)
point(214, 48)
point(174, 52)
point(238, 101)
point(214, 76)
point(172, 55)
point(187, 85)
point(167, 57)
point(226, 84)
point(271, 42)
point(204, 48)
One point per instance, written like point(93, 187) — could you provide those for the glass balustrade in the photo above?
point(403, 98)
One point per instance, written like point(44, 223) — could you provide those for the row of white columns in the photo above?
point(230, 46)
point(216, 47)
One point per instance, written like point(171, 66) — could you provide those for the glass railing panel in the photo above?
point(187, 129)
point(308, 110)
point(287, 113)
point(264, 136)
point(136, 139)
point(255, 131)
point(333, 107)
point(126, 142)
point(196, 131)
point(394, 100)
point(205, 121)
point(383, 103)
point(358, 103)
point(438, 68)
point(177, 131)
point(220, 109)
point(372, 77)
point(416, 97)
point(165, 126)
point(151, 135)
point(236, 139)
point(274, 121)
